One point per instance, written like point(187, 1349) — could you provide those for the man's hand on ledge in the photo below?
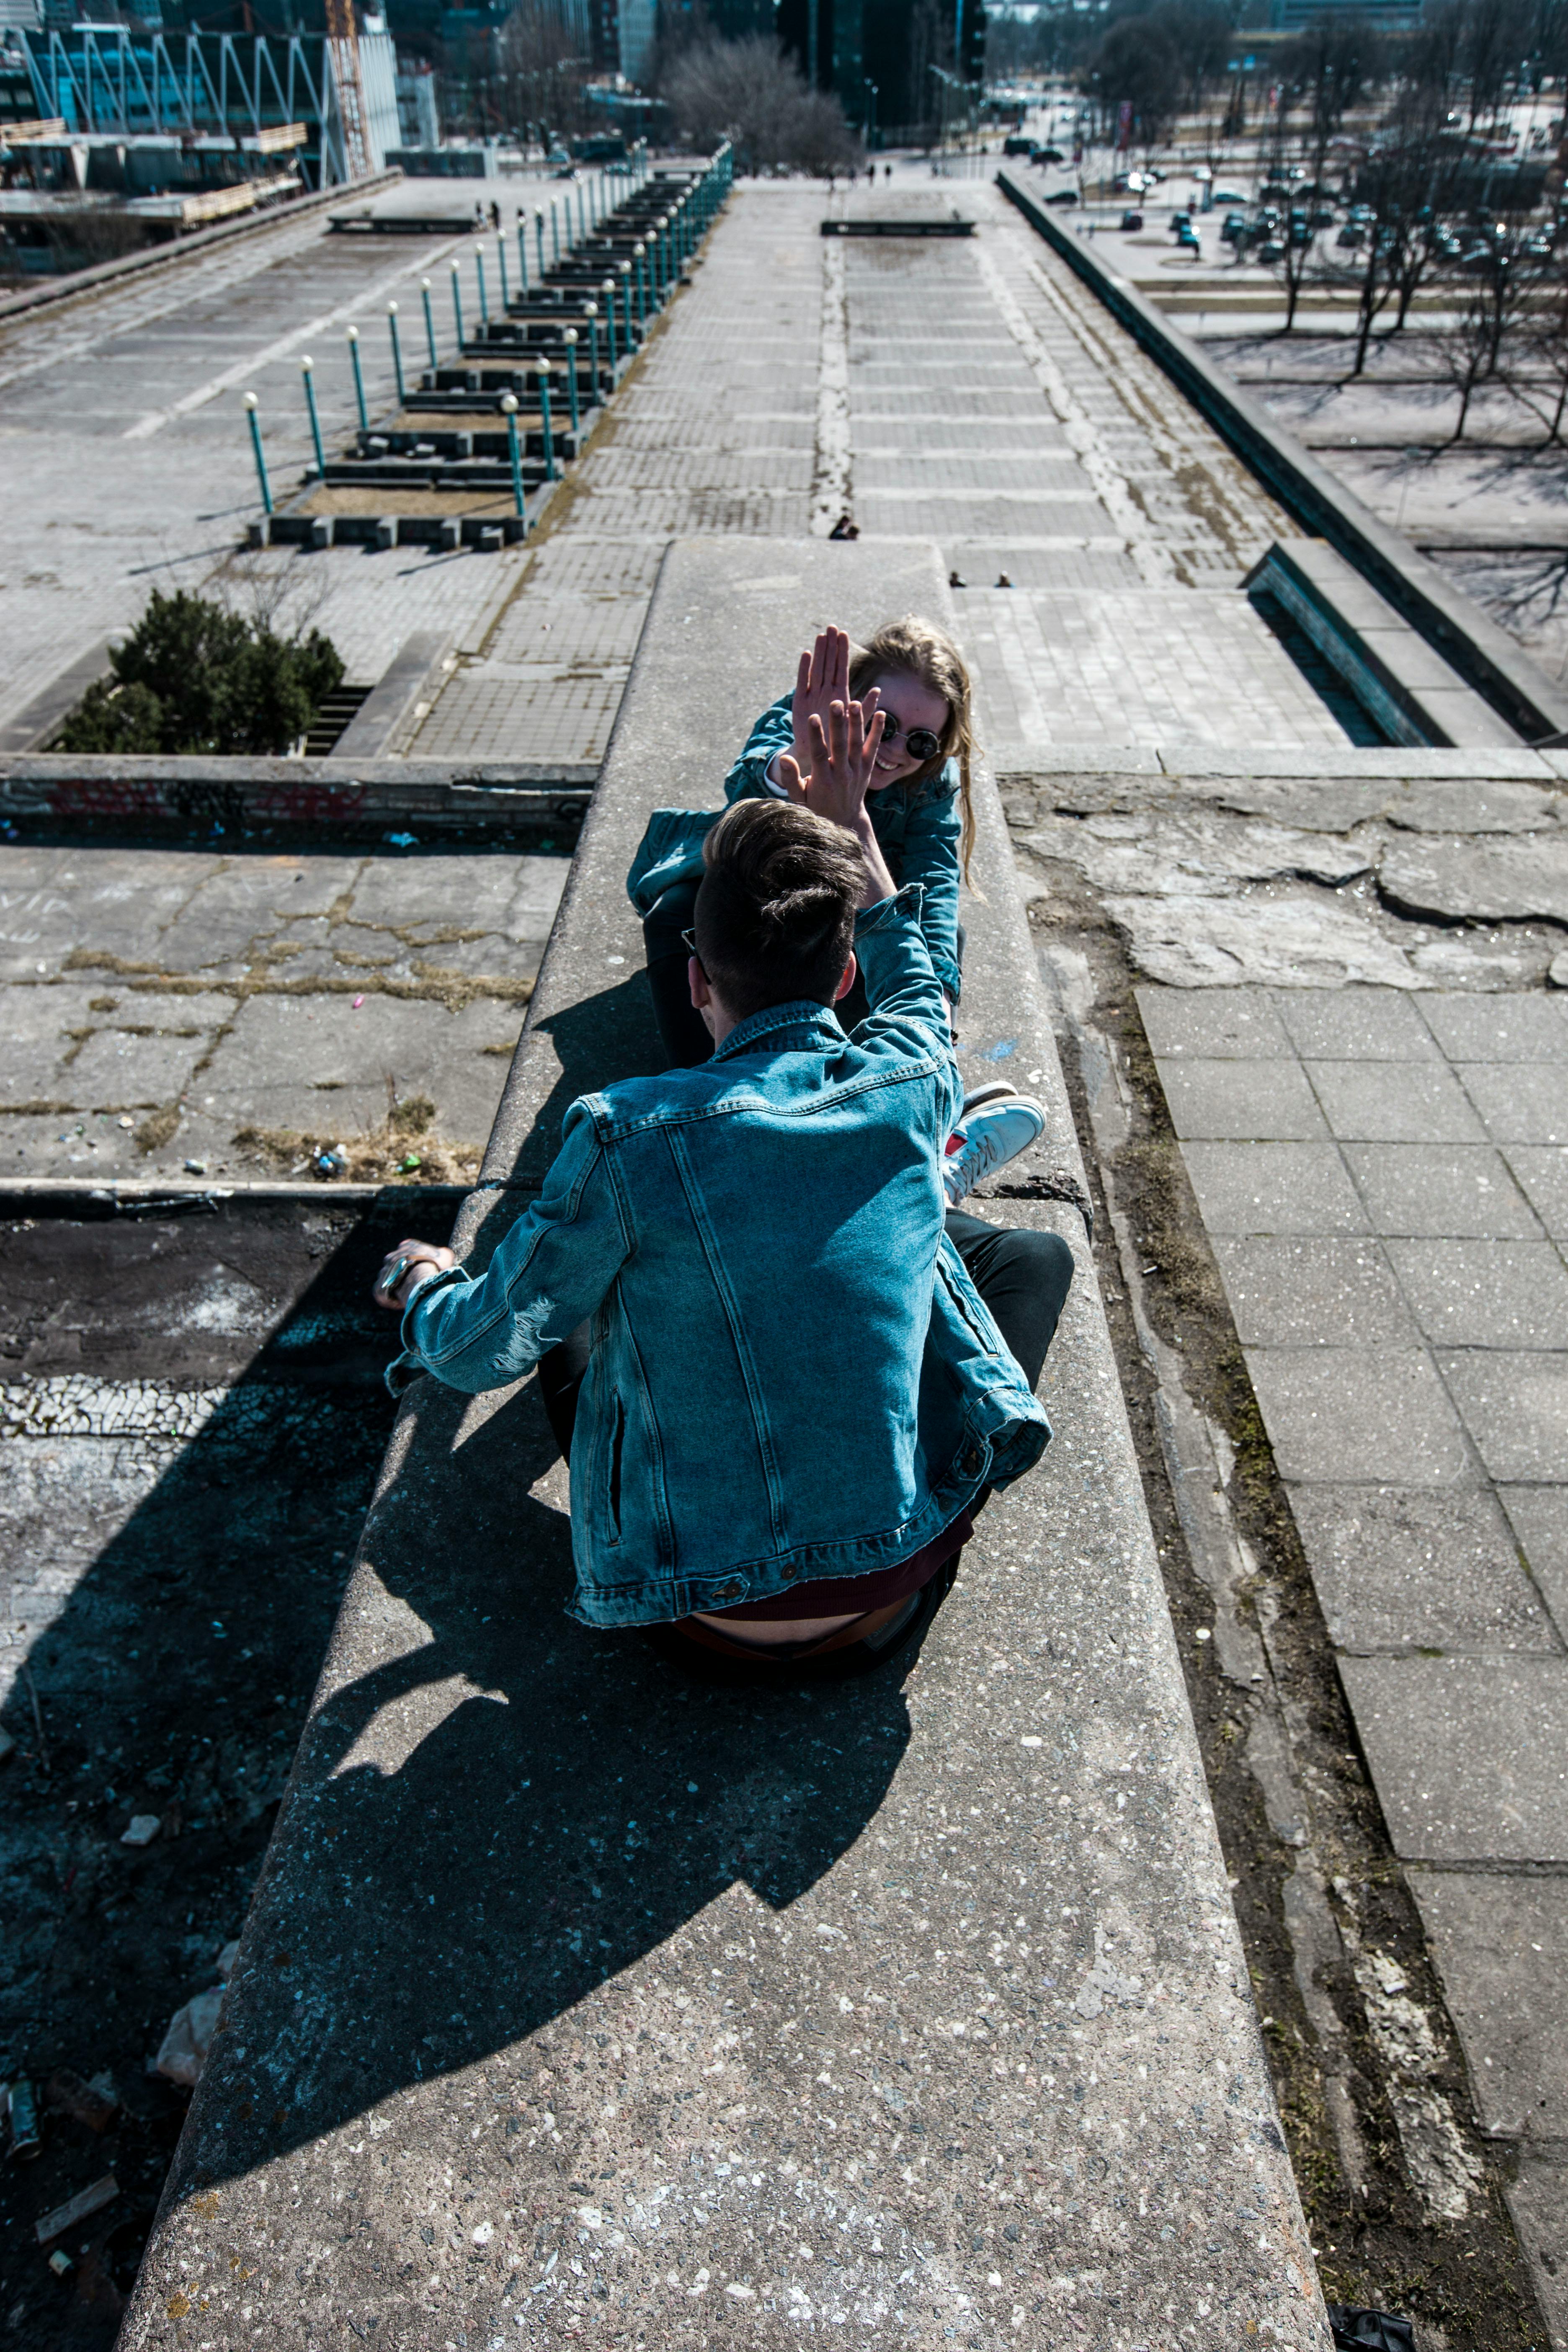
point(405, 1268)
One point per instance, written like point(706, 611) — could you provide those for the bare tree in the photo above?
point(541, 77)
point(1502, 281)
point(750, 93)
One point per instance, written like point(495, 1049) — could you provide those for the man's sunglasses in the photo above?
point(919, 743)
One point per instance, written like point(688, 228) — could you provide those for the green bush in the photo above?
point(191, 677)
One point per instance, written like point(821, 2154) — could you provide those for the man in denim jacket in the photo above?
point(772, 1369)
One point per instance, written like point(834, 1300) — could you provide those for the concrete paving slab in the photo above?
point(1287, 1292)
point(1543, 1173)
point(1538, 2202)
point(1262, 1101)
point(1538, 1517)
point(1515, 1406)
point(1314, 1406)
point(1521, 1102)
point(1478, 1294)
point(1227, 1021)
point(1395, 1102)
point(1273, 1188)
point(1499, 1028)
point(647, 1931)
point(304, 1062)
point(1355, 1025)
point(1500, 1943)
point(116, 1072)
point(1468, 1756)
point(1407, 1569)
point(1450, 1191)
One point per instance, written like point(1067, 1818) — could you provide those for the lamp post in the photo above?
point(555, 233)
point(458, 300)
point(359, 380)
point(625, 274)
point(539, 238)
point(591, 312)
point(257, 452)
point(505, 288)
point(607, 289)
point(484, 301)
point(508, 409)
point(307, 376)
point(396, 354)
point(569, 340)
point(429, 322)
point(550, 474)
point(522, 249)
point(639, 254)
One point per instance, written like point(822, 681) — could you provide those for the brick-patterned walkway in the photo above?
point(989, 407)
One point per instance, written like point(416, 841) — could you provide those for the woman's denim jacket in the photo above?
point(916, 828)
point(791, 1375)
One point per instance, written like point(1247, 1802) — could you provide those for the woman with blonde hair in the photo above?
point(923, 814)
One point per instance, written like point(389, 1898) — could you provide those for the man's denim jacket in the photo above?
point(915, 824)
point(791, 1375)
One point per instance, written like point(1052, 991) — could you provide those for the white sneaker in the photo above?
point(988, 1138)
point(994, 1090)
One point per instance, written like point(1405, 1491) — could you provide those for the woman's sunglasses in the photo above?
point(919, 743)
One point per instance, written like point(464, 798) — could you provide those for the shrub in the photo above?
point(193, 677)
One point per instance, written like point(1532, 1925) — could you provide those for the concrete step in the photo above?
point(573, 1994)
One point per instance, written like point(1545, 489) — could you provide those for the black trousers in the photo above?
point(1022, 1277)
point(685, 1040)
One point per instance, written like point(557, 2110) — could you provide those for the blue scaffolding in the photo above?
point(110, 79)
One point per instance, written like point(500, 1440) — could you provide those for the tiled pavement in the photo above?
point(1384, 1176)
point(988, 409)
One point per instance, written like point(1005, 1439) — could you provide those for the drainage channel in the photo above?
point(192, 1415)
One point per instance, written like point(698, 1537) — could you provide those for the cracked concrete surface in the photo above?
point(163, 1004)
point(1310, 882)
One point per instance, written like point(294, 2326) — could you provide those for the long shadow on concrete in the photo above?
point(554, 1802)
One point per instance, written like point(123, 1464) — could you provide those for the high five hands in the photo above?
point(822, 679)
point(836, 746)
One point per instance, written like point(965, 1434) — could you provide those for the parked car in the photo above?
point(1049, 155)
point(1187, 238)
point(1062, 197)
point(1351, 236)
point(1018, 147)
point(1322, 217)
point(1270, 251)
point(1229, 197)
point(1233, 228)
point(1181, 220)
point(1131, 221)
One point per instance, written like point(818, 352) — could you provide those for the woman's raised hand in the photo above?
point(843, 761)
point(822, 679)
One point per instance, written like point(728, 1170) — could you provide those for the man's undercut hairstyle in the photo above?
point(775, 911)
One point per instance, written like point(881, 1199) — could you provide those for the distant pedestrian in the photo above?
point(495, 216)
point(887, 168)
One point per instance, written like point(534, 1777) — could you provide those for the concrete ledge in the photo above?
point(156, 257)
point(575, 1997)
point(1485, 656)
point(33, 726)
point(411, 672)
point(335, 792)
point(1396, 676)
point(1381, 764)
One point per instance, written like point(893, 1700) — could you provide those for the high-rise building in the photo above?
point(900, 66)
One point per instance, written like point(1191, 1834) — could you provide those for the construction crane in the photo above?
point(342, 47)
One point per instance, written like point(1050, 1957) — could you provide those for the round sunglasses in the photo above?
point(919, 743)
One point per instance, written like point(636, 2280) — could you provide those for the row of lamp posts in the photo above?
point(659, 260)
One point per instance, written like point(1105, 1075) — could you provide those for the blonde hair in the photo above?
point(919, 649)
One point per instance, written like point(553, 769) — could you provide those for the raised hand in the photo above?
point(843, 761)
point(822, 679)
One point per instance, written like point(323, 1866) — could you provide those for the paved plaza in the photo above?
point(1345, 964)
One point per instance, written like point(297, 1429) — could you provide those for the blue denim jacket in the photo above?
point(791, 1375)
point(917, 827)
